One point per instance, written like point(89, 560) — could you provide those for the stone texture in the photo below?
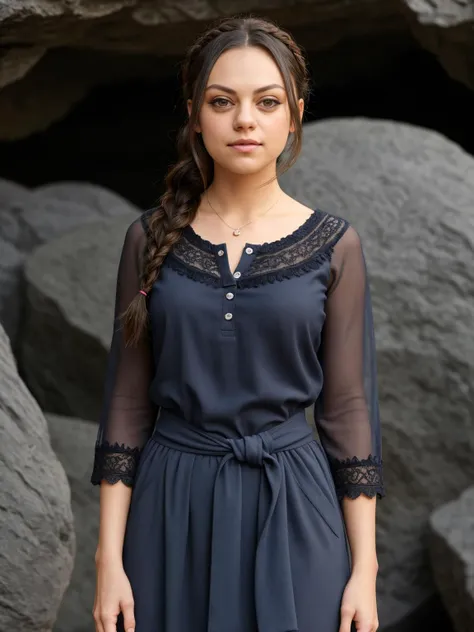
point(29, 218)
point(61, 79)
point(410, 193)
point(452, 557)
point(73, 442)
point(37, 541)
point(444, 27)
point(97, 201)
point(70, 291)
point(11, 262)
point(15, 63)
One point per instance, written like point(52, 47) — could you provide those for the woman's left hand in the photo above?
point(359, 603)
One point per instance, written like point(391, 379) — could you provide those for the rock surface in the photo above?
point(452, 557)
point(37, 540)
point(410, 193)
point(444, 27)
point(31, 217)
point(70, 292)
point(73, 441)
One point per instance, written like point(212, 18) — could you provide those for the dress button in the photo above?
point(229, 296)
point(220, 253)
point(237, 275)
point(249, 251)
point(228, 316)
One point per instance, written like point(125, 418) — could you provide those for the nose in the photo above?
point(251, 449)
point(245, 117)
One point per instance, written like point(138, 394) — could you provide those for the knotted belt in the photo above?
point(274, 599)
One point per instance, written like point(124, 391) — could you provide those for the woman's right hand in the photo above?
point(113, 594)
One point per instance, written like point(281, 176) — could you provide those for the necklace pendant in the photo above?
point(236, 232)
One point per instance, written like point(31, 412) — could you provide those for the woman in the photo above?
point(233, 302)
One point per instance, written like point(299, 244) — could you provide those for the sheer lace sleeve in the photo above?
point(128, 414)
point(347, 414)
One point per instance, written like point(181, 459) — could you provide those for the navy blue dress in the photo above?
point(235, 522)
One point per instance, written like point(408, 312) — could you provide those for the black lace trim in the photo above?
point(307, 248)
point(318, 230)
point(195, 258)
point(192, 273)
point(115, 462)
point(353, 477)
point(287, 272)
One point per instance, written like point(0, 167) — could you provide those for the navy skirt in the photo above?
point(239, 534)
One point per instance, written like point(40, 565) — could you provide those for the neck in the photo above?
point(243, 198)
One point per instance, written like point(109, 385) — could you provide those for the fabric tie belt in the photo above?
point(274, 599)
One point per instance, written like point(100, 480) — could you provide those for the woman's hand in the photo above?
point(113, 594)
point(359, 603)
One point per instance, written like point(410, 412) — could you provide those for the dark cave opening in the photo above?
point(122, 136)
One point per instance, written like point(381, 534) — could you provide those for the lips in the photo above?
point(245, 142)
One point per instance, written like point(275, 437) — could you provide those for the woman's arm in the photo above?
point(114, 507)
point(359, 516)
point(347, 418)
point(128, 415)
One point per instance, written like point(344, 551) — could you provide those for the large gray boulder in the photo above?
point(452, 557)
point(68, 316)
point(73, 441)
point(31, 217)
point(37, 540)
point(410, 194)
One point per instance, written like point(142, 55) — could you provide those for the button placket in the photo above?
point(230, 279)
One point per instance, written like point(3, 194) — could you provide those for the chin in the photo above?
point(243, 169)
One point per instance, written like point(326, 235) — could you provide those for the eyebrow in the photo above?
point(231, 91)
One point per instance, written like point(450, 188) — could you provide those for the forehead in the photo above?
point(245, 68)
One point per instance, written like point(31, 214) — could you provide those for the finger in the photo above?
point(95, 614)
point(109, 622)
point(128, 616)
point(346, 622)
point(98, 623)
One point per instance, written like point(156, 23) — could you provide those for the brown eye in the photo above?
point(272, 103)
point(219, 100)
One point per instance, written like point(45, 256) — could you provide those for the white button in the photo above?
point(220, 253)
point(249, 251)
point(229, 296)
point(237, 275)
point(228, 316)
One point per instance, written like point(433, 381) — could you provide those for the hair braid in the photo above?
point(187, 180)
point(285, 38)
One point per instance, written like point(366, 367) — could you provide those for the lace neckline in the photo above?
point(265, 247)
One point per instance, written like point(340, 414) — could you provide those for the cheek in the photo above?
point(276, 130)
point(215, 130)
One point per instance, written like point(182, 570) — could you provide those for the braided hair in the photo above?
point(191, 175)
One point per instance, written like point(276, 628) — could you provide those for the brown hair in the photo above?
point(193, 173)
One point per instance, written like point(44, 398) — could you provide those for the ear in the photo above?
point(301, 111)
point(189, 105)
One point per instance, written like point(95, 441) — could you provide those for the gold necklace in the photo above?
point(236, 231)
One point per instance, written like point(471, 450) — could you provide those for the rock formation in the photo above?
point(37, 538)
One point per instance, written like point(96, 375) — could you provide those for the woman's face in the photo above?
point(236, 107)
